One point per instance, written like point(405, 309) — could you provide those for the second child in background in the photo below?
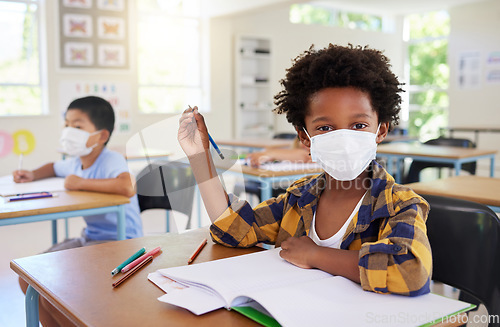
point(91, 166)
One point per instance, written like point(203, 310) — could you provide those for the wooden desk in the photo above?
point(256, 144)
point(433, 153)
point(66, 204)
point(483, 190)
point(78, 283)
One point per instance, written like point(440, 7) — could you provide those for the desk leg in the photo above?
point(121, 223)
point(31, 303)
point(54, 232)
point(267, 190)
point(458, 166)
point(492, 166)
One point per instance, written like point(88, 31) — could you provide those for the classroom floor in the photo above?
point(28, 239)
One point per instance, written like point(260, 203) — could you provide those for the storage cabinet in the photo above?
point(253, 98)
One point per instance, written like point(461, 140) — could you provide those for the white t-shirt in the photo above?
point(335, 240)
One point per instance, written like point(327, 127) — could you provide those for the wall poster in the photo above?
point(93, 34)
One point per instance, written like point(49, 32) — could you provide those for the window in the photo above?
point(323, 14)
point(20, 72)
point(170, 55)
point(427, 40)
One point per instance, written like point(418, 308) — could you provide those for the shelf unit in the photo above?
point(252, 91)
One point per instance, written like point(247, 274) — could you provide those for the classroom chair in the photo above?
point(169, 186)
point(254, 187)
point(285, 136)
point(417, 166)
point(465, 242)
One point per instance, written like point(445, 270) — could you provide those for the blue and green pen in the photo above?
point(213, 142)
point(129, 260)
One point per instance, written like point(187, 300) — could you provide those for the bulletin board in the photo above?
point(116, 93)
point(94, 34)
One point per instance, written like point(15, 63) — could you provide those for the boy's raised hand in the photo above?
point(23, 176)
point(193, 133)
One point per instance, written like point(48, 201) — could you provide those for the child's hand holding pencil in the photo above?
point(193, 134)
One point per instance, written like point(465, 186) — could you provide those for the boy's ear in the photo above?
point(382, 132)
point(104, 136)
point(303, 137)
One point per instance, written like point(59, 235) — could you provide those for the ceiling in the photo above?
point(392, 7)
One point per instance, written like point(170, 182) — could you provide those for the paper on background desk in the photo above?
point(284, 165)
point(8, 186)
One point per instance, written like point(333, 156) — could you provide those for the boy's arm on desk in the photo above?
point(120, 185)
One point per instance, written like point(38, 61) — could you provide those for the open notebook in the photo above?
point(9, 187)
point(264, 282)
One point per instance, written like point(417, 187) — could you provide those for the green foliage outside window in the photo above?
point(321, 15)
point(429, 74)
point(20, 91)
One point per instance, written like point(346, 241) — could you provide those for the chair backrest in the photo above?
point(166, 185)
point(465, 242)
point(462, 143)
point(287, 136)
point(417, 166)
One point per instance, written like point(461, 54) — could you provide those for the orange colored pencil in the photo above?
point(197, 251)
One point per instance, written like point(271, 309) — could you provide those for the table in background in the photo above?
point(432, 153)
point(476, 130)
point(139, 154)
point(65, 204)
point(83, 291)
point(268, 177)
point(485, 190)
point(256, 144)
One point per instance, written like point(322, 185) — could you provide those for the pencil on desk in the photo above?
point(139, 260)
point(197, 251)
point(129, 260)
point(131, 272)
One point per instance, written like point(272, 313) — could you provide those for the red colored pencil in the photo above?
point(197, 251)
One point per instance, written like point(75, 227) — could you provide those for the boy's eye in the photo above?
point(359, 126)
point(325, 128)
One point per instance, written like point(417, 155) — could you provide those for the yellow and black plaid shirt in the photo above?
point(389, 230)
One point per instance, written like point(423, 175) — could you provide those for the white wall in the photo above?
point(288, 41)
point(475, 28)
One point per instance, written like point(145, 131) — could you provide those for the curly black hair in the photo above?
point(363, 68)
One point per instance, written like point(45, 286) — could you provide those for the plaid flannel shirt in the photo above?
point(388, 230)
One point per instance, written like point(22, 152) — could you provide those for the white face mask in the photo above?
point(344, 153)
point(74, 142)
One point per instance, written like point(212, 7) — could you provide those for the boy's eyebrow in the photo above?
point(77, 120)
point(319, 119)
point(362, 115)
point(326, 119)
